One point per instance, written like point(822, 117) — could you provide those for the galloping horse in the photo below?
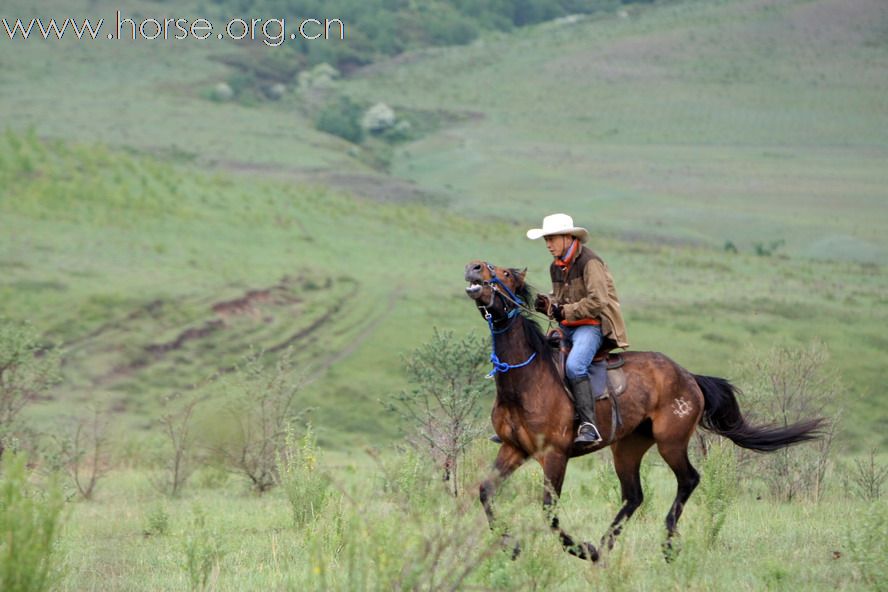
point(663, 404)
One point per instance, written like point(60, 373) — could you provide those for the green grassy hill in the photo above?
point(160, 234)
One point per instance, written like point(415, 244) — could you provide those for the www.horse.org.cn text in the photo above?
point(271, 31)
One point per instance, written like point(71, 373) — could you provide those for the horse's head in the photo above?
point(499, 291)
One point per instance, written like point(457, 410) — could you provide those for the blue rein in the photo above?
point(500, 367)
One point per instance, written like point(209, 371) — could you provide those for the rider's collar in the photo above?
point(568, 257)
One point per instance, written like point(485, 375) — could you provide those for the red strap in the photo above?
point(581, 322)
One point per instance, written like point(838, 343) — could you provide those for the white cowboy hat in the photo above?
point(558, 224)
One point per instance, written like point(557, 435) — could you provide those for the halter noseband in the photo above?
point(495, 285)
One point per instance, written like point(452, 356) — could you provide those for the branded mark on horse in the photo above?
point(662, 405)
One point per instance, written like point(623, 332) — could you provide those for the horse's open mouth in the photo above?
point(473, 290)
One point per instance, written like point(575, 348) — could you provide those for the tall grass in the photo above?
point(30, 521)
point(718, 487)
point(300, 475)
point(203, 550)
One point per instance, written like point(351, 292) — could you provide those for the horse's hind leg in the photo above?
point(554, 466)
point(676, 456)
point(627, 460)
point(507, 461)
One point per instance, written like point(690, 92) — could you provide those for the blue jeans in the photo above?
point(586, 341)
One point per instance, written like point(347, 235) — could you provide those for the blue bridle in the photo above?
point(496, 284)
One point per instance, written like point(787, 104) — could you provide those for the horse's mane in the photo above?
point(532, 332)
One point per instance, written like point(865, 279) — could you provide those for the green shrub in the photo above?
point(29, 526)
point(868, 546)
point(203, 553)
point(306, 487)
point(445, 404)
point(27, 370)
point(718, 487)
point(869, 477)
point(784, 385)
point(260, 402)
point(157, 521)
point(342, 118)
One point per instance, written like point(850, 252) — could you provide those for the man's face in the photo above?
point(558, 244)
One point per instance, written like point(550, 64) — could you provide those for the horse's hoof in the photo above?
point(671, 549)
point(585, 551)
point(510, 544)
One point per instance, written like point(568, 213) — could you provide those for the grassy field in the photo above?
point(392, 525)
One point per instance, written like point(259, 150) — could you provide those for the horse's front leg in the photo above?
point(507, 461)
point(554, 467)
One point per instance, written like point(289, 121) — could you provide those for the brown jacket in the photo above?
point(586, 291)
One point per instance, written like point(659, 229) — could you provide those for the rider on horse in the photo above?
point(584, 302)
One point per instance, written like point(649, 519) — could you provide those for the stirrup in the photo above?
point(587, 433)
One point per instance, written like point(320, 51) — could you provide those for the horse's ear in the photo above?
point(519, 275)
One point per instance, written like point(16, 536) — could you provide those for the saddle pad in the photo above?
point(616, 381)
point(616, 378)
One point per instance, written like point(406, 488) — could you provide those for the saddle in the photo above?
point(616, 378)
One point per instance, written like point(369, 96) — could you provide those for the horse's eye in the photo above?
point(507, 274)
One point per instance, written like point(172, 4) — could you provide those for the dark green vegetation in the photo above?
point(728, 157)
point(381, 28)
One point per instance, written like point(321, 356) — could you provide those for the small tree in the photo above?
point(787, 385)
point(177, 427)
point(869, 477)
point(444, 404)
point(27, 370)
point(86, 456)
point(260, 405)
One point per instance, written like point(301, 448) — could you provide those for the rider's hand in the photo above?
point(557, 313)
point(541, 304)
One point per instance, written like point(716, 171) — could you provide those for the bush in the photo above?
point(342, 117)
point(718, 487)
point(305, 486)
point(260, 405)
point(378, 118)
point(157, 521)
point(868, 546)
point(203, 553)
point(444, 406)
point(27, 370)
point(180, 464)
point(86, 456)
point(29, 527)
point(361, 548)
point(868, 478)
point(766, 250)
point(786, 385)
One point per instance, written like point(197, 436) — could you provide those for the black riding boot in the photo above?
point(584, 400)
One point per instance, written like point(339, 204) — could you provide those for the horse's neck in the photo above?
point(513, 341)
point(513, 347)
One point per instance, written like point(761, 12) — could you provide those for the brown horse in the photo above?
point(663, 404)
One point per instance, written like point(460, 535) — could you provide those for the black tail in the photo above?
point(721, 414)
